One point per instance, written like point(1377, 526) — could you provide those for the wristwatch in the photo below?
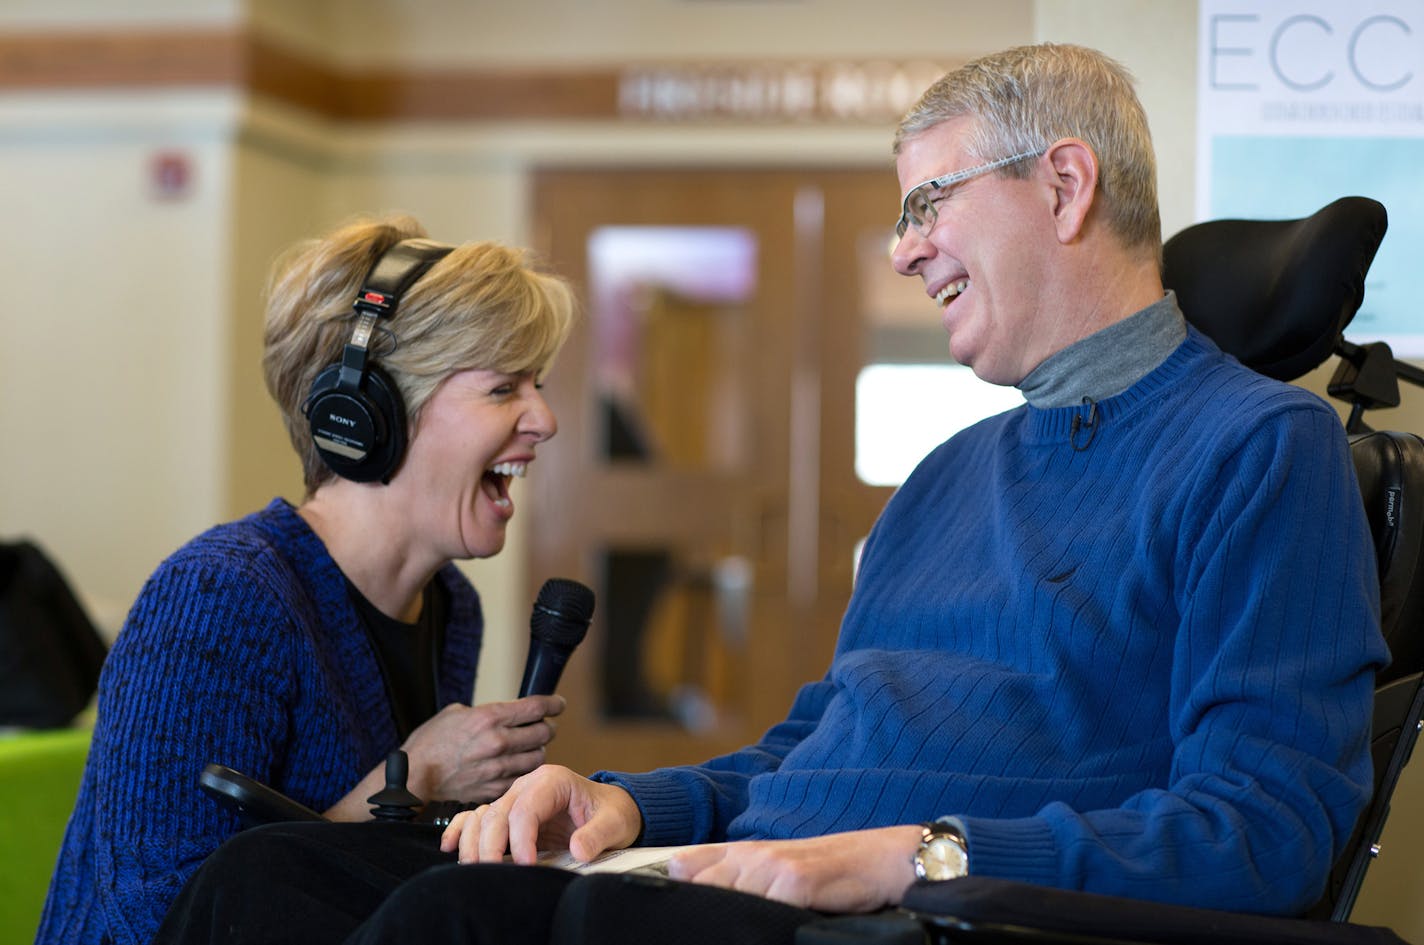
point(942, 853)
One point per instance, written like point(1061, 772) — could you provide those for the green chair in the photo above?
point(39, 780)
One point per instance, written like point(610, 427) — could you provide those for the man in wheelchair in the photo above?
point(1100, 642)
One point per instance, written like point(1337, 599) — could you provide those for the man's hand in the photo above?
point(843, 872)
point(551, 808)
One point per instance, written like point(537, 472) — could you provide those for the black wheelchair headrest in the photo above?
point(1277, 294)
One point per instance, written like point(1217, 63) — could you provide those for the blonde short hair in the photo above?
point(483, 306)
point(1028, 97)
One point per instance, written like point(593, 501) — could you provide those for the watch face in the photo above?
point(941, 857)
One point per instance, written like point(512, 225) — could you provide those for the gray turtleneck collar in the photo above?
point(1109, 361)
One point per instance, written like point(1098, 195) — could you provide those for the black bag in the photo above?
point(50, 651)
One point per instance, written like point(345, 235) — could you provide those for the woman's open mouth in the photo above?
point(495, 482)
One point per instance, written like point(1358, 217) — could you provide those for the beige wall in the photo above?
point(132, 413)
point(111, 404)
point(1157, 41)
point(45, 14)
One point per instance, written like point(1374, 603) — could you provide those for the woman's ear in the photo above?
point(1075, 183)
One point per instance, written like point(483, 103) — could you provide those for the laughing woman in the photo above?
point(300, 645)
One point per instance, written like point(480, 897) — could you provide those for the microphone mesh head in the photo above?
point(562, 612)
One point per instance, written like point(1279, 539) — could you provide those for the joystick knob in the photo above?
point(394, 802)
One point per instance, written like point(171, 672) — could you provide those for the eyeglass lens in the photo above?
point(919, 209)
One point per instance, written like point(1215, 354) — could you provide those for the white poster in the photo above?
point(1301, 102)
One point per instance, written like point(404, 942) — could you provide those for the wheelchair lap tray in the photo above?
point(254, 802)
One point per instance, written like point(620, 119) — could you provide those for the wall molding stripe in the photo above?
point(854, 93)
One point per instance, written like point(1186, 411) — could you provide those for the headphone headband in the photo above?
point(395, 272)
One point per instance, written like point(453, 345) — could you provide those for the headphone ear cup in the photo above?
point(360, 434)
point(386, 400)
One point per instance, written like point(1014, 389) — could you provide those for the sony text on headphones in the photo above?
point(354, 410)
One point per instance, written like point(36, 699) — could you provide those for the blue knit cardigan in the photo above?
point(243, 649)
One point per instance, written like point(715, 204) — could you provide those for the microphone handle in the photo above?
point(543, 668)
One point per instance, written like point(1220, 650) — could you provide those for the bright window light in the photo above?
point(902, 411)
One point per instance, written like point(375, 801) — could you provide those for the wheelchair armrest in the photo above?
point(978, 909)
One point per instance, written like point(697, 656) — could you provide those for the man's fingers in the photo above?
point(586, 843)
point(523, 833)
point(450, 836)
point(715, 867)
point(687, 864)
point(598, 835)
point(491, 840)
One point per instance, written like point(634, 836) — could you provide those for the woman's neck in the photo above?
point(371, 546)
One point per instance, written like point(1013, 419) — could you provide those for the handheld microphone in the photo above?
point(560, 619)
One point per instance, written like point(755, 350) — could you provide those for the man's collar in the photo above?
point(1109, 361)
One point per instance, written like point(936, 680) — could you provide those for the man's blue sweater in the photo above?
point(1141, 667)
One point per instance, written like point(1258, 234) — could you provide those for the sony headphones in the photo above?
point(354, 410)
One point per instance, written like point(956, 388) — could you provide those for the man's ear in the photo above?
point(1075, 182)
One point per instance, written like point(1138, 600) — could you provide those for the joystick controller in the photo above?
point(394, 803)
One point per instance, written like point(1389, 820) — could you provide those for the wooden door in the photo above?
point(702, 480)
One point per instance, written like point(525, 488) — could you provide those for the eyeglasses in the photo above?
point(918, 210)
